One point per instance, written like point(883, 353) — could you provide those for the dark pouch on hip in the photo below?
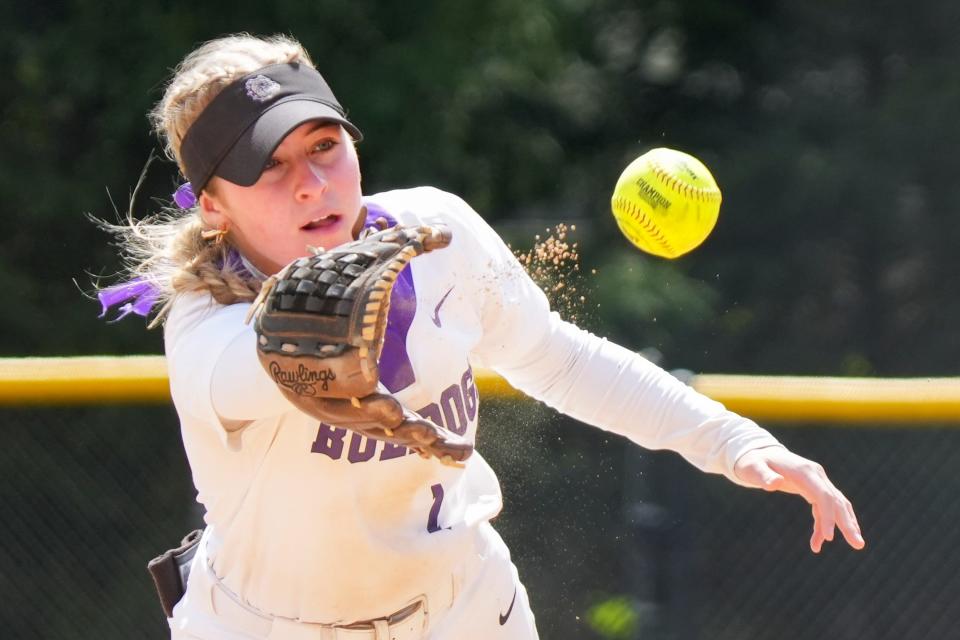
point(171, 569)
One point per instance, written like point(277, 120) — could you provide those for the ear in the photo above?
point(212, 211)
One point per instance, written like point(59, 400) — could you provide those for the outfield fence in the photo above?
point(143, 379)
point(612, 541)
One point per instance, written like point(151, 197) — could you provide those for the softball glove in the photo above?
point(320, 326)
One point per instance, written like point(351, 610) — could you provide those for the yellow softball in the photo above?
point(666, 202)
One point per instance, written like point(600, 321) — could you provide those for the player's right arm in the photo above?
point(582, 375)
point(212, 359)
point(603, 384)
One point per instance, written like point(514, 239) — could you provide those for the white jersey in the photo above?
point(312, 522)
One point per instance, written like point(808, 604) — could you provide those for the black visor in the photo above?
point(239, 130)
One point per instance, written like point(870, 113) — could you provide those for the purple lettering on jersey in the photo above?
point(451, 400)
point(329, 441)
point(391, 451)
point(396, 370)
point(432, 412)
point(432, 518)
point(369, 448)
point(456, 409)
point(469, 389)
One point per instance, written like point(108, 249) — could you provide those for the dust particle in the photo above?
point(554, 264)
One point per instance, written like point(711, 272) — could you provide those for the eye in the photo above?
point(326, 144)
point(271, 163)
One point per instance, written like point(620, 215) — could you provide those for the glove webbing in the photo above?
point(321, 285)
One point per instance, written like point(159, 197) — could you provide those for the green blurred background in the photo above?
point(831, 128)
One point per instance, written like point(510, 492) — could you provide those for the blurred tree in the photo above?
point(828, 131)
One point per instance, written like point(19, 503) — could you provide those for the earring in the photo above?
point(214, 236)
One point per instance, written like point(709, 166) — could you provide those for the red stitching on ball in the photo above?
point(648, 225)
point(684, 189)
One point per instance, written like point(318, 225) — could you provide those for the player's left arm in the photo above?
point(779, 469)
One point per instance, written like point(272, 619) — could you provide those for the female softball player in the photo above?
point(314, 531)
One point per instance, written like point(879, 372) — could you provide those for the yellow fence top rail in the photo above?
point(83, 380)
point(143, 379)
point(851, 400)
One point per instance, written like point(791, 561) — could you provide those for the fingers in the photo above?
point(849, 527)
point(835, 512)
point(823, 526)
point(816, 539)
point(777, 469)
point(435, 237)
point(831, 510)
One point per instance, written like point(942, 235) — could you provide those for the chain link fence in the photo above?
point(88, 496)
point(611, 541)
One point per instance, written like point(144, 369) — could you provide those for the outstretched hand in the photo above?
point(778, 469)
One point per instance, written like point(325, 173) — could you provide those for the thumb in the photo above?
point(760, 475)
point(770, 480)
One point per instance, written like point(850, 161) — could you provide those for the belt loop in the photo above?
point(381, 630)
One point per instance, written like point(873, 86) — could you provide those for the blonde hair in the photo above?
point(168, 250)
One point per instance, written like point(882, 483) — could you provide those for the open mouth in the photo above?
point(321, 222)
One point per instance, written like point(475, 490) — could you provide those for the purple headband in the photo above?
point(138, 296)
point(184, 196)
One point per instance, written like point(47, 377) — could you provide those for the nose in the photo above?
point(311, 182)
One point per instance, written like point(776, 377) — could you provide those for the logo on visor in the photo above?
point(261, 88)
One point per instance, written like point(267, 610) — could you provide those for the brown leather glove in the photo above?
point(320, 326)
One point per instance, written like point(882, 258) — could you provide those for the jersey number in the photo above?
point(432, 526)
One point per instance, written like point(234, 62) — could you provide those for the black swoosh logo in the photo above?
point(436, 312)
point(504, 616)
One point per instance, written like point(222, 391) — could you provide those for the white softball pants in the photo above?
point(491, 604)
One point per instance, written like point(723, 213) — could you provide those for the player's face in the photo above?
point(309, 195)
